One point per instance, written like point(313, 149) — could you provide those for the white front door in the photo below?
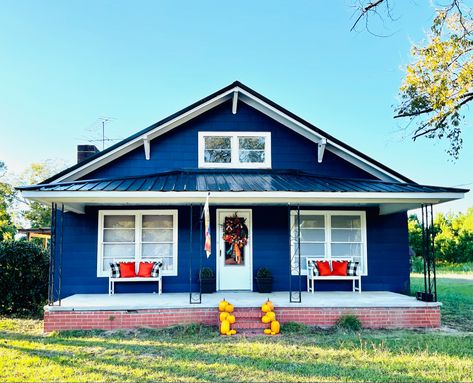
point(234, 266)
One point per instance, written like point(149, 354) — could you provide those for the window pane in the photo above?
point(252, 143)
point(346, 250)
point(168, 264)
point(346, 221)
point(218, 142)
point(218, 156)
point(312, 221)
point(157, 221)
point(252, 156)
point(313, 235)
point(156, 250)
point(311, 249)
point(157, 235)
point(119, 221)
point(119, 235)
point(346, 235)
point(118, 251)
point(295, 264)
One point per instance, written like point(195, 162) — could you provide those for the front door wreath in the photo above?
point(235, 233)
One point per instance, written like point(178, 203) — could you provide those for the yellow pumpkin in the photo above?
point(224, 327)
point(233, 332)
point(267, 331)
point(265, 308)
point(273, 333)
point(223, 316)
point(271, 315)
point(265, 319)
point(229, 333)
point(230, 318)
point(222, 305)
point(275, 327)
point(270, 304)
point(229, 308)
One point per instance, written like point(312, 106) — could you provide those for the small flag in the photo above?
point(208, 243)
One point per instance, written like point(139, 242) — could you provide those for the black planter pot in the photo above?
point(208, 285)
point(265, 285)
point(425, 297)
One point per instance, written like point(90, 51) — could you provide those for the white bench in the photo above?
point(158, 279)
point(311, 278)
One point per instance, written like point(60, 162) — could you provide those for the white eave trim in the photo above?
point(249, 197)
point(236, 93)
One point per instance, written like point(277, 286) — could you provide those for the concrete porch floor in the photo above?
point(323, 299)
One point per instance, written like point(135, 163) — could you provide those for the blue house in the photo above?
point(296, 192)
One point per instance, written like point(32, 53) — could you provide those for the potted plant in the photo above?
point(264, 280)
point(207, 279)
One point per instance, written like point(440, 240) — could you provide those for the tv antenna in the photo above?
point(95, 136)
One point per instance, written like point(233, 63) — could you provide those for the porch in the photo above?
point(375, 309)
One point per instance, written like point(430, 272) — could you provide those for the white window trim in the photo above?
point(328, 233)
point(138, 243)
point(235, 163)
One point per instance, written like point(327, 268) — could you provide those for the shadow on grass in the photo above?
point(180, 361)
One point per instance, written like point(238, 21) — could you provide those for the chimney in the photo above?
point(85, 151)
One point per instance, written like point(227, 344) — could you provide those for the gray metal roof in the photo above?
point(238, 181)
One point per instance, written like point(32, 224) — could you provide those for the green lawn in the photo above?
point(456, 294)
point(197, 354)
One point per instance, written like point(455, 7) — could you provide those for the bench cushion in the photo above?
point(127, 269)
point(114, 270)
point(145, 269)
point(324, 268)
point(155, 269)
point(339, 268)
point(352, 269)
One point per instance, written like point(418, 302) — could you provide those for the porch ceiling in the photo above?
point(237, 187)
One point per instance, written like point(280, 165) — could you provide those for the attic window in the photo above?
point(234, 150)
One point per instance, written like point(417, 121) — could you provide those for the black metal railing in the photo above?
point(295, 296)
point(428, 252)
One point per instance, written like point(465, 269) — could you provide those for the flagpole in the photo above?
point(203, 211)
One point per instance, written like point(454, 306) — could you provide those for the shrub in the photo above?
point(295, 328)
point(263, 273)
point(349, 322)
point(23, 278)
point(417, 264)
point(206, 273)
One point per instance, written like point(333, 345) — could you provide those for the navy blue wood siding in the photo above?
point(388, 261)
point(178, 149)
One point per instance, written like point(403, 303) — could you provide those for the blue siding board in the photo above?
point(388, 261)
point(178, 149)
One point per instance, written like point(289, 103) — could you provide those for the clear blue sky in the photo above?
point(64, 64)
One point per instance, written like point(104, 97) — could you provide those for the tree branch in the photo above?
point(365, 10)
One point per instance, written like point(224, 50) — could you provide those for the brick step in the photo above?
point(249, 325)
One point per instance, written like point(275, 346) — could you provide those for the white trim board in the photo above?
point(250, 100)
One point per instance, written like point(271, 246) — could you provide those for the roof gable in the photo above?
point(235, 92)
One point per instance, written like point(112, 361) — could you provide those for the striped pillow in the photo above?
point(352, 269)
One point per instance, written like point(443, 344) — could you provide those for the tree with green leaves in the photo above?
point(438, 85)
point(37, 214)
point(453, 236)
point(7, 228)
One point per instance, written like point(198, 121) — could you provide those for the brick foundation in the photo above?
point(377, 317)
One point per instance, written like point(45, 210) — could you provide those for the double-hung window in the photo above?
point(235, 150)
point(137, 235)
point(330, 235)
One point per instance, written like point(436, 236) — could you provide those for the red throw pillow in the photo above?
point(145, 269)
point(127, 269)
point(324, 268)
point(339, 267)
